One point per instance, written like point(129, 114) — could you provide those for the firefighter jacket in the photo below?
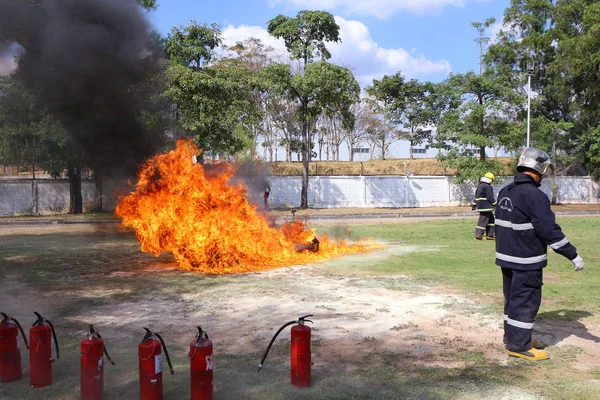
point(484, 198)
point(526, 226)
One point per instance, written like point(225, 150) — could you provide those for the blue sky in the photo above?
point(424, 39)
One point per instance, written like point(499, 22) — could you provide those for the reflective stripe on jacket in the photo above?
point(526, 226)
point(484, 197)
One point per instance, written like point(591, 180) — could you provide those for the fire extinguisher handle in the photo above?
point(306, 316)
point(200, 333)
point(166, 353)
point(148, 335)
point(40, 320)
point(20, 329)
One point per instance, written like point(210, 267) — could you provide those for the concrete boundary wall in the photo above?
point(403, 192)
point(47, 197)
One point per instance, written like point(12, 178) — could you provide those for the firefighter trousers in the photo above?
point(522, 299)
point(486, 224)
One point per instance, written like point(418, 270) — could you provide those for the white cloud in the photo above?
point(382, 9)
point(357, 51)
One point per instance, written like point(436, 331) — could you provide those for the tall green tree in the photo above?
point(558, 39)
point(31, 135)
point(193, 45)
point(36, 138)
point(253, 55)
point(482, 120)
point(214, 98)
point(485, 117)
point(406, 104)
point(305, 37)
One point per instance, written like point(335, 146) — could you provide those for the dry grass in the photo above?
point(397, 166)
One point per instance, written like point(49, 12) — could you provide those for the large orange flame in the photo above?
point(208, 224)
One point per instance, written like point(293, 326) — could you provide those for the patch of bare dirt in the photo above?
point(357, 320)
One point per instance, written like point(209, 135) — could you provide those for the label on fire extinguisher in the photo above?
point(208, 360)
point(157, 364)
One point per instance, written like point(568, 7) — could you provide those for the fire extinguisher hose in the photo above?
point(299, 320)
point(55, 339)
point(106, 354)
point(166, 353)
point(271, 343)
point(6, 317)
point(22, 331)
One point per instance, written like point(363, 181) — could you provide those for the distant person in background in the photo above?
point(484, 203)
point(526, 227)
point(266, 196)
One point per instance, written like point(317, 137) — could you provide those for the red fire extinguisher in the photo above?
point(10, 350)
point(40, 355)
point(201, 367)
point(92, 365)
point(299, 352)
point(150, 361)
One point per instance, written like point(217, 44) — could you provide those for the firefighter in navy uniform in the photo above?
point(484, 203)
point(525, 227)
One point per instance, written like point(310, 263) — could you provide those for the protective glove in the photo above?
point(473, 208)
point(578, 262)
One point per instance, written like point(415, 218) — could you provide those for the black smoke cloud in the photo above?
point(85, 58)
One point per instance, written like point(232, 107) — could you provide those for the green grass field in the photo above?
point(454, 259)
point(76, 276)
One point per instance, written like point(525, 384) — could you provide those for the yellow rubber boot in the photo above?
point(531, 355)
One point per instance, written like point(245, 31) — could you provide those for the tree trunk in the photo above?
point(253, 149)
point(4, 153)
point(33, 158)
point(99, 188)
point(482, 153)
point(76, 202)
point(305, 157)
point(18, 161)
